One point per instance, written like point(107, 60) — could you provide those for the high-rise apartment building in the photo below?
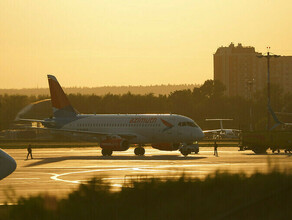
point(242, 72)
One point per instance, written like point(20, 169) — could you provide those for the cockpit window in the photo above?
point(187, 123)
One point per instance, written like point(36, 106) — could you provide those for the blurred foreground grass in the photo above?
point(220, 195)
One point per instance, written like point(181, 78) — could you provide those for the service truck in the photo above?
point(260, 141)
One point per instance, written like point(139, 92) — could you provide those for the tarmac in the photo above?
point(58, 171)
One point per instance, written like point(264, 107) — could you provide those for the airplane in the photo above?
point(115, 132)
point(222, 132)
point(278, 122)
point(7, 164)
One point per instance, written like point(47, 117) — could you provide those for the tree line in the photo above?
point(205, 101)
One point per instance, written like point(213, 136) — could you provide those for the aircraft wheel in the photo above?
point(184, 152)
point(136, 151)
point(142, 151)
point(106, 152)
point(139, 151)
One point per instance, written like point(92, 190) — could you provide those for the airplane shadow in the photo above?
point(129, 158)
point(271, 154)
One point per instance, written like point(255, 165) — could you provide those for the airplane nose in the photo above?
point(7, 164)
point(198, 134)
point(201, 134)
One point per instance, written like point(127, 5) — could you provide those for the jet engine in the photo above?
point(115, 144)
point(166, 146)
point(7, 164)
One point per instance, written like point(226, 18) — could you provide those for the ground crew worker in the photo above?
point(29, 152)
point(215, 149)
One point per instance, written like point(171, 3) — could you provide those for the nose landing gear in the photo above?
point(186, 149)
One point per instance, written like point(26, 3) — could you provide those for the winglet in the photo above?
point(60, 103)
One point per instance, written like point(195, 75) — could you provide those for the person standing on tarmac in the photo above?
point(215, 149)
point(29, 152)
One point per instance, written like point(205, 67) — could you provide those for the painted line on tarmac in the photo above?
point(57, 177)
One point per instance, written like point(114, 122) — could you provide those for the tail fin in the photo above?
point(60, 103)
point(278, 122)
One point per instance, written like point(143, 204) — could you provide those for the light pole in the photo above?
point(268, 56)
point(250, 89)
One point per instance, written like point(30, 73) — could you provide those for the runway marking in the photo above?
point(147, 169)
point(56, 176)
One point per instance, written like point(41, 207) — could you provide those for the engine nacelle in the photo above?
point(166, 146)
point(115, 144)
point(7, 164)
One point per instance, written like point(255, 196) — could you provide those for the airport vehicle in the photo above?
point(7, 164)
point(115, 132)
point(222, 132)
point(260, 141)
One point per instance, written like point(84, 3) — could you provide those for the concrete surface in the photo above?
point(58, 171)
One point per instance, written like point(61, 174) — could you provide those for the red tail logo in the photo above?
point(167, 124)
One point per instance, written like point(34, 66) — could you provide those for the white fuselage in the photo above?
point(145, 128)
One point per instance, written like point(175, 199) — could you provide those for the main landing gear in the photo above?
point(139, 151)
point(106, 152)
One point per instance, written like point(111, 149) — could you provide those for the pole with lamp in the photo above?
point(268, 56)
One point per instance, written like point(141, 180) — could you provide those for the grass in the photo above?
point(220, 195)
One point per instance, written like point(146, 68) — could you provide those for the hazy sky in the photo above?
point(131, 42)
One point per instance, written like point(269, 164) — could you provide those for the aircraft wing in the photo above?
point(93, 133)
point(212, 131)
point(31, 120)
point(289, 124)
